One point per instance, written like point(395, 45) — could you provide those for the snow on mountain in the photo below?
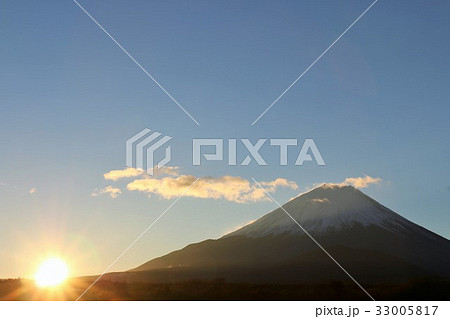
point(329, 207)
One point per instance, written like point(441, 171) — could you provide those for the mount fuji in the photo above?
point(370, 241)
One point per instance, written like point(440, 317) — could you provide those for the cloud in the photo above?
point(231, 188)
point(357, 182)
point(33, 190)
point(279, 182)
point(128, 172)
point(168, 183)
point(112, 192)
point(122, 173)
point(320, 200)
point(361, 182)
point(166, 170)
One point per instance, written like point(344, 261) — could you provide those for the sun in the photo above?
point(51, 272)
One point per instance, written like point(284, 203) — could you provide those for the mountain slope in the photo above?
point(365, 237)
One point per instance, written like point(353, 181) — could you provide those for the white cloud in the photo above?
point(361, 182)
point(128, 172)
point(122, 173)
point(320, 200)
point(279, 182)
point(111, 191)
point(166, 170)
point(357, 182)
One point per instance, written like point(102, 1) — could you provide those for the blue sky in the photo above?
point(375, 104)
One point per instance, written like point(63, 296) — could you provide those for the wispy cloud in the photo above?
point(111, 191)
point(361, 182)
point(357, 182)
point(279, 182)
point(122, 173)
point(320, 200)
point(129, 172)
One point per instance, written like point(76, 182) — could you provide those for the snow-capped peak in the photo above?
point(325, 208)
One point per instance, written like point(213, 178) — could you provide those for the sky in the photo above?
point(376, 105)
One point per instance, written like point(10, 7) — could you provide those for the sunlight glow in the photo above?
point(51, 272)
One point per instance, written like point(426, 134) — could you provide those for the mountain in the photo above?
point(373, 243)
point(328, 208)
